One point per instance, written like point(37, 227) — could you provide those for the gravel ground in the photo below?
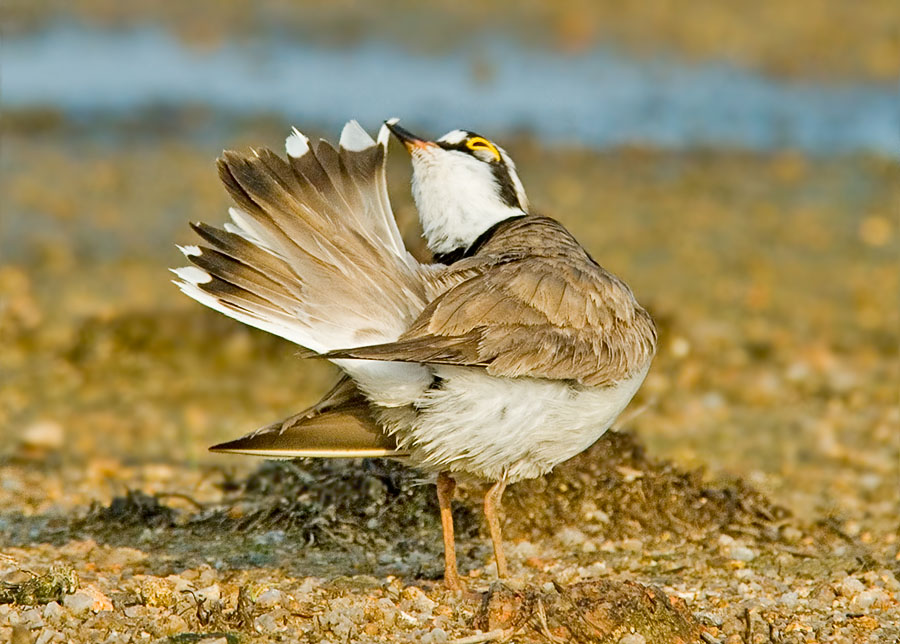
point(751, 495)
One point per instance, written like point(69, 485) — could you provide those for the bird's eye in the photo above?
point(480, 143)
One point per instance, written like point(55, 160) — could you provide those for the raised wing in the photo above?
point(312, 252)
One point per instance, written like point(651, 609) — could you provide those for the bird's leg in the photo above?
point(445, 487)
point(491, 507)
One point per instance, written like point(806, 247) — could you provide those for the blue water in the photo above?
point(596, 98)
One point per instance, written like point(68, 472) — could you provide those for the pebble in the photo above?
point(48, 635)
point(436, 636)
point(266, 623)
point(524, 550)
point(388, 611)
point(87, 599)
point(211, 593)
point(53, 611)
point(632, 638)
point(867, 598)
point(789, 600)
point(571, 537)
point(791, 534)
point(418, 600)
point(180, 584)
point(271, 597)
point(270, 538)
point(741, 553)
point(132, 612)
point(31, 618)
point(851, 586)
point(44, 434)
point(889, 580)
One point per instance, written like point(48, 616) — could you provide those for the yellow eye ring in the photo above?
point(481, 143)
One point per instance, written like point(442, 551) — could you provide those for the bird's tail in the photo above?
point(312, 252)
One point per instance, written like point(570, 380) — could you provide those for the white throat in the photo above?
point(457, 200)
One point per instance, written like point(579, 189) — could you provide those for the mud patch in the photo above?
point(617, 487)
point(599, 612)
point(614, 487)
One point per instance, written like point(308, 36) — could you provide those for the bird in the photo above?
point(510, 352)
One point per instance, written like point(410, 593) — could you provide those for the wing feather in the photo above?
point(549, 313)
point(339, 425)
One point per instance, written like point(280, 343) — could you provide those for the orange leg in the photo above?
point(445, 488)
point(491, 507)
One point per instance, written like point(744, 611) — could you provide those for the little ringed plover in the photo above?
point(511, 353)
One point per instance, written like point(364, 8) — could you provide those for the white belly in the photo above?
point(516, 428)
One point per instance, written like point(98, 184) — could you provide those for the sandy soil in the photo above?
point(752, 495)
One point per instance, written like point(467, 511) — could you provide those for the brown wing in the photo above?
point(548, 311)
point(339, 425)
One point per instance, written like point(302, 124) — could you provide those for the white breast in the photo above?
point(516, 428)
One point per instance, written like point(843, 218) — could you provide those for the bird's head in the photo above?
point(463, 184)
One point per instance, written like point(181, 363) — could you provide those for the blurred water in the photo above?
point(597, 98)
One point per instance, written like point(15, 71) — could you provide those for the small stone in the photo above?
point(632, 638)
point(48, 635)
point(632, 545)
point(175, 624)
point(680, 347)
point(309, 584)
point(121, 557)
point(43, 435)
point(851, 586)
point(387, 609)
point(418, 599)
point(406, 618)
point(524, 550)
point(867, 598)
point(266, 623)
point(790, 534)
point(79, 602)
point(211, 593)
point(571, 537)
point(741, 553)
point(789, 600)
point(53, 611)
point(271, 597)
point(438, 636)
point(179, 583)
point(270, 538)
point(87, 599)
point(32, 618)
point(889, 580)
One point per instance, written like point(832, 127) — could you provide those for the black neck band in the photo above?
point(461, 253)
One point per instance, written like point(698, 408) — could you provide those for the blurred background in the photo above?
point(735, 162)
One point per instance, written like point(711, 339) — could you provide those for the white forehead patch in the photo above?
point(454, 137)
